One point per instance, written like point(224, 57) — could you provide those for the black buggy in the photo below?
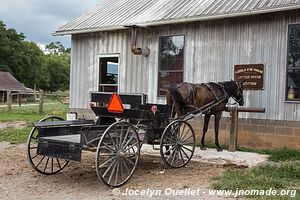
point(117, 137)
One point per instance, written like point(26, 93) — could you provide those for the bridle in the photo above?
point(239, 93)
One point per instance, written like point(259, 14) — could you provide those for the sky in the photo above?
point(37, 19)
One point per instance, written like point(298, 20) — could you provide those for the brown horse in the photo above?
point(185, 98)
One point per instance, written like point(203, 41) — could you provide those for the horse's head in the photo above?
point(238, 95)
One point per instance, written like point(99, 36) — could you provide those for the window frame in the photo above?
point(159, 61)
point(109, 55)
point(286, 64)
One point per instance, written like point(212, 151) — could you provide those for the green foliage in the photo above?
point(278, 176)
point(11, 50)
point(57, 48)
point(30, 65)
point(59, 71)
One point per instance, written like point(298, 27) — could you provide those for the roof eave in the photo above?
point(91, 30)
point(177, 21)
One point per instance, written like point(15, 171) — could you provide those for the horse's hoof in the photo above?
point(219, 149)
point(202, 148)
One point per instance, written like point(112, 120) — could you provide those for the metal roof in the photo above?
point(115, 14)
point(9, 83)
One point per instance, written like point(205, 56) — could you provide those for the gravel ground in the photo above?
point(212, 156)
point(79, 180)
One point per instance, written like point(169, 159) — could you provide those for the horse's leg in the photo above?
point(217, 122)
point(205, 128)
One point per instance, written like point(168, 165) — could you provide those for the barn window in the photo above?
point(109, 73)
point(293, 63)
point(171, 55)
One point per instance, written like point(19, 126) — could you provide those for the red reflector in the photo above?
point(92, 104)
point(115, 104)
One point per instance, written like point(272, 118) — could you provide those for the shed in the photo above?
point(194, 41)
point(8, 83)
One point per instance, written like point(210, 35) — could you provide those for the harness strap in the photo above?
point(213, 90)
point(191, 93)
point(226, 95)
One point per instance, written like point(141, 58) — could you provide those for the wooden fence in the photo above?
point(40, 94)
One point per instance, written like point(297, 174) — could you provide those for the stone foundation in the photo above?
point(253, 133)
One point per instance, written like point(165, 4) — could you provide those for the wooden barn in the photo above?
point(144, 46)
point(9, 84)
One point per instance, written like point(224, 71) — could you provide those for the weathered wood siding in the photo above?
point(212, 48)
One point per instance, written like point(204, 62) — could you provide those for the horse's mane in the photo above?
point(178, 99)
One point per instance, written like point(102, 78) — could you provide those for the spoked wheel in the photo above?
point(117, 154)
point(177, 144)
point(43, 164)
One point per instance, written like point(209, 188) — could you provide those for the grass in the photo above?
point(278, 176)
point(29, 114)
point(276, 155)
point(15, 136)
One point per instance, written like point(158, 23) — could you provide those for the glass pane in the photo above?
point(293, 68)
point(166, 79)
point(171, 52)
point(175, 64)
point(112, 71)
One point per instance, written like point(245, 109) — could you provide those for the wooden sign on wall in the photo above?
point(253, 74)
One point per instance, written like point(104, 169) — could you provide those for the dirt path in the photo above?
point(79, 180)
point(14, 124)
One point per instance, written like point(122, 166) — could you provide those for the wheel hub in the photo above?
point(121, 154)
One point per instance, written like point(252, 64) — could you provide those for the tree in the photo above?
point(11, 50)
point(57, 48)
point(59, 72)
point(58, 65)
point(34, 65)
point(29, 64)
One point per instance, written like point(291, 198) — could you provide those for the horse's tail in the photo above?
point(177, 98)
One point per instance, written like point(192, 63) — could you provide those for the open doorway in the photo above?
point(109, 73)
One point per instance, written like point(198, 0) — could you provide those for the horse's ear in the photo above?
point(243, 83)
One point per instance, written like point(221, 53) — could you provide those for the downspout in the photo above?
point(137, 50)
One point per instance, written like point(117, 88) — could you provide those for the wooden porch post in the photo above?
point(3, 97)
point(233, 129)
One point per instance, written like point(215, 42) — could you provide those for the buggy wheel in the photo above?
point(177, 144)
point(43, 164)
point(117, 154)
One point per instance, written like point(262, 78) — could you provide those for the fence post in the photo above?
point(19, 98)
point(9, 100)
point(233, 129)
point(41, 102)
